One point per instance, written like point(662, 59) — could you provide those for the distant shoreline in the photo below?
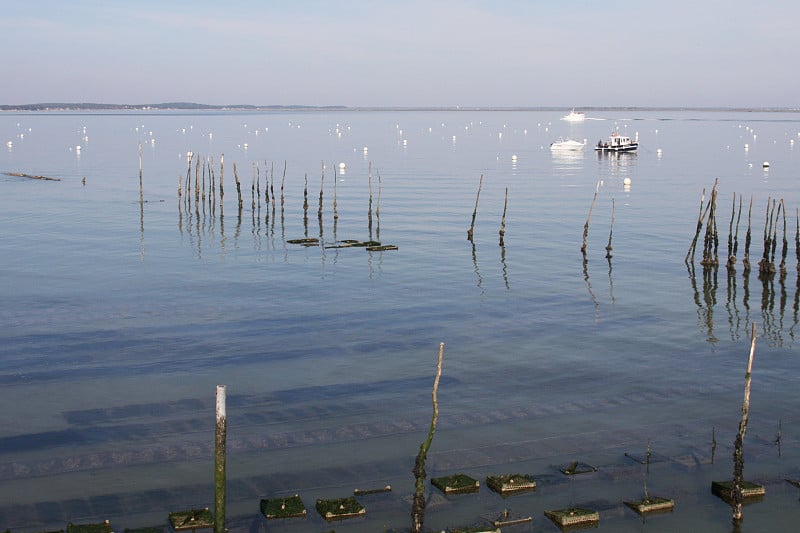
point(190, 106)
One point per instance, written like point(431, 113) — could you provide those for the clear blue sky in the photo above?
point(402, 53)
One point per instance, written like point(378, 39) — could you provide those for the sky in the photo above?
point(403, 53)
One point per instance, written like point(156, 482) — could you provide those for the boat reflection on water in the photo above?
point(570, 161)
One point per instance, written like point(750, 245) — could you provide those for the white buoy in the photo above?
point(342, 166)
point(659, 151)
point(746, 146)
point(765, 164)
point(514, 158)
point(626, 182)
point(405, 142)
point(366, 149)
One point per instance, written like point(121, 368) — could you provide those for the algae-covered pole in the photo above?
point(219, 463)
point(475, 211)
point(321, 188)
point(503, 220)
point(693, 246)
point(748, 238)
point(738, 452)
point(418, 505)
point(238, 185)
point(588, 218)
point(141, 191)
point(611, 231)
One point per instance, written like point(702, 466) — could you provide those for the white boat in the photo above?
point(574, 116)
point(618, 143)
point(567, 144)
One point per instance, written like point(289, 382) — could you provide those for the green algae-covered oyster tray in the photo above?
point(651, 505)
point(340, 508)
point(191, 519)
point(577, 467)
point(456, 484)
point(510, 483)
point(290, 507)
point(574, 517)
point(724, 489)
point(151, 529)
point(475, 529)
point(102, 527)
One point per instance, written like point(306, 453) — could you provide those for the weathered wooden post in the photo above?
point(738, 452)
point(588, 218)
point(418, 505)
point(503, 221)
point(471, 229)
point(219, 463)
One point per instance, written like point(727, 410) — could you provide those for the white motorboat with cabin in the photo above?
point(567, 144)
point(618, 143)
point(574, 116)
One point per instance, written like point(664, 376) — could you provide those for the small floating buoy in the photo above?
point(658, 151)
point(366, 149)
point(342, 166)
point(746, 146)
point(405, 142)
point(626, 181)
point(514, 158)
point(765, 164)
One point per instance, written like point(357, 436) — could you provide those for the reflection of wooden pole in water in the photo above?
point(611, 231)
point(503, 220)
point(700, 217)
point(748, 238)
point(738, 453)
point(588, 218)
point(797, 239)
point(713, 443)
point(418, 505)
point(471, 229)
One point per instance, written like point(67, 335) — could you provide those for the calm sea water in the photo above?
point(123, 308)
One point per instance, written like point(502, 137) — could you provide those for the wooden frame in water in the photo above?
point(340, 508)
point(456, 484)
point(191, 519)
point(289, 507)
point(506, 484)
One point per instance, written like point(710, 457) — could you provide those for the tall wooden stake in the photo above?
point(503, 221)
point(738, 452)
point(219, 463)
point(475, 211)
point(588, 218)
point(418, 505)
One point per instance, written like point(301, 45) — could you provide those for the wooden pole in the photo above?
point(418, 505)
point(611, 231)
point(748, 238)
point(471, 229)
point(700, 216)
point(738, 452)
point(503, 221)
point(219, 462)
point(588, 218)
